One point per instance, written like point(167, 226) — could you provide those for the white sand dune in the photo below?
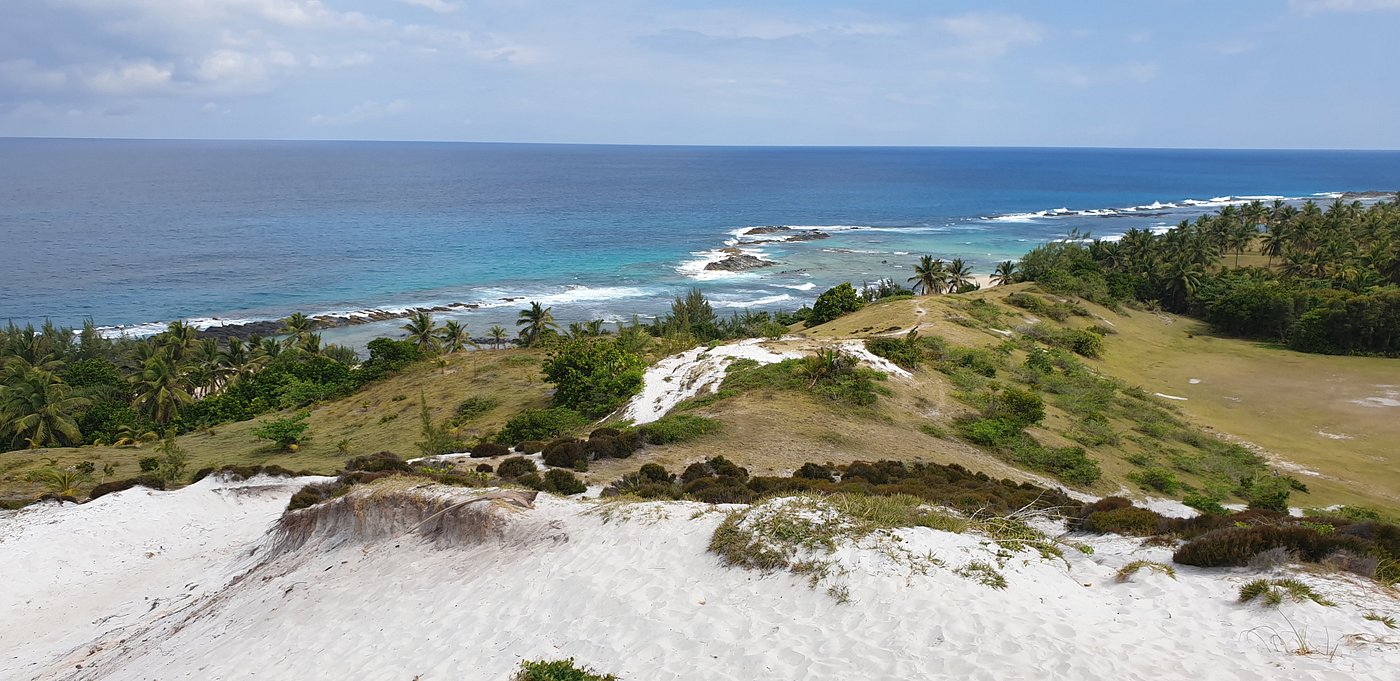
point(636, 596)
point(681, 377)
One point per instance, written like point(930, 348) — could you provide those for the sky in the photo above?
point(1170, 73)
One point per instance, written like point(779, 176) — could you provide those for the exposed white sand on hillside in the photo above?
point(681, 377)
point(641, 597)
point(71, 573)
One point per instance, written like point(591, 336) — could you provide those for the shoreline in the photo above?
point(746, 246)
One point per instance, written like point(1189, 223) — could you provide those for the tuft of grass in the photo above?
point(1127, 571)
point(983, 573)
point(1387, 620)
point(1273, 591)
point(674, 428)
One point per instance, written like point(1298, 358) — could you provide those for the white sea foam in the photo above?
point(740, 304)
point(799, 287)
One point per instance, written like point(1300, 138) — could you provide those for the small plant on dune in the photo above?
point(557, 670)
point(61, 482)
point(1273, 591)
point(1387, 620)
point(983, 573)
point(1127, 571)
point(173, 460)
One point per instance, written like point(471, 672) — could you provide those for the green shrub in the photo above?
point(540, 424)
point(483, 450)
point(558, 670)
point(564, 453)
point(562, 482)
point(1020, 408)
point(473, 408)
point(678, 428)
point(285, 432)
point(904, 352)
point(515, 467)
point(1267, 494)
point(318, 492)
point(378, 463)
point(105, 488)
point(1204, 504)
point(1131, 521)
point(1155, 478)
point(592, 375)
point(833, 303)
point(529, 446)
point(1235, 546)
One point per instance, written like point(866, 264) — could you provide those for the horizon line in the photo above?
point(683, 145)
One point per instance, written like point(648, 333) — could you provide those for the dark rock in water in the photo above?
point(754, 231)
point(223, 333)
point(739, 263)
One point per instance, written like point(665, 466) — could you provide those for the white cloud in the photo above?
point(127, 78)
point(1311, 7)
point(363, 112)
point(1085, 76)
point(439, 6)
point(986, 36)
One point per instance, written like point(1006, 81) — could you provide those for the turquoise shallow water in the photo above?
point(137, 232)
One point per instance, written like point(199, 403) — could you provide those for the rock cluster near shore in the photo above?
point(789, 234)
point(274, 327)
point(739, 262)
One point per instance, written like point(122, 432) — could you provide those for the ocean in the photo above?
point(133, 233)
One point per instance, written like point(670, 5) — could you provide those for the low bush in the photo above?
point(1204, 504)
point(245, 472)
point(557, 670)
point(473, 408)
point(103, 489)
point(677, 428)
point(540, 424)
point(1156, 479)
point(562, 482)
point(1236, 546)
point(318, 492)
point(483, 450)
point(530, 447)
point(514, 467)
point(484, 468)
point(377, 463)
point(1131, 521)
point(904, 352)
point(564, 453)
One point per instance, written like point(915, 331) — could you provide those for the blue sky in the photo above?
point(1282, 74)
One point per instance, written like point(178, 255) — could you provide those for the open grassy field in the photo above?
point(382, 417)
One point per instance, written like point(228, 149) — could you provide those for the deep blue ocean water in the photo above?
point(130, 232)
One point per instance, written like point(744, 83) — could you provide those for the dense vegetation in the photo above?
point(1330, 282)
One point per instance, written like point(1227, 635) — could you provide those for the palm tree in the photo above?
point(1273, 241)
point(534, 321)
point(239, 360)
point(160, 390)
point(454, 336)
point(1005, 273)
point(422, 330)
point(497, 334)
point(298, 325)
point(929, 275)
point(179, 337)
point(37, 407)
point(959, 275)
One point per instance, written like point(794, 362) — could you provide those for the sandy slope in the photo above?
point(637, 596)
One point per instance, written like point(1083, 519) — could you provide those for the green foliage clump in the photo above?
point(557, 481)
point(1267, 494)
point(515, 467)
point(593, 375)
point(674, 428)
point(1235, 546)
point(830, 374)
point(473, 408)
point(387, 356)
point(483, 450)
point(105, 488)
point(1117, 515)
point(1157, 479)
point(557, 670)
point(378, 463)
point(1204, 504)
point(540, 424)
point(905, 352)
point(285, 432)
point(833, 303)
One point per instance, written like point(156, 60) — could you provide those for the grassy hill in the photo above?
point(1324, 420)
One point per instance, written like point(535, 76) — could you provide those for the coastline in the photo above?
point(760, 267)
